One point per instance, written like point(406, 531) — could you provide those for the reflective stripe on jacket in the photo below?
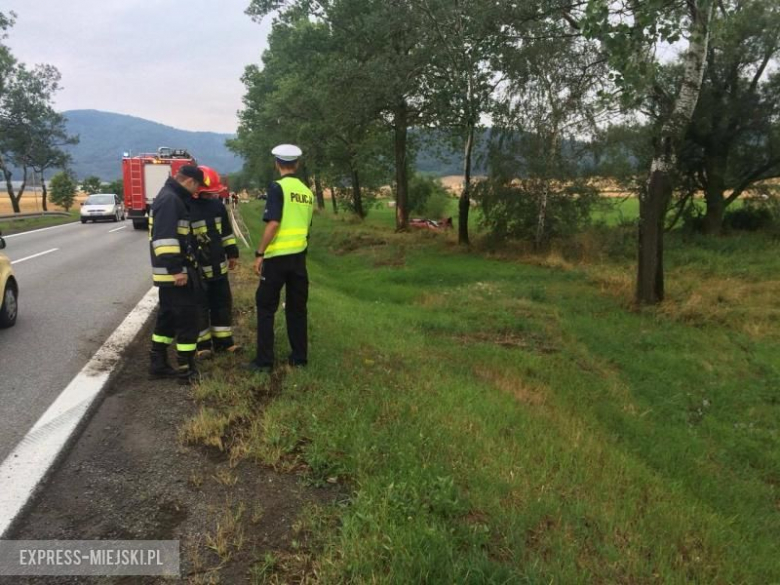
point(169, 234)
point(212, 230)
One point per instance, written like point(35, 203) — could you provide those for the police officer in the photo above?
point(217, 253)
point(281, 261)
point(174, 272)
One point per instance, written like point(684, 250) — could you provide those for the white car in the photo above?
point(103, 206)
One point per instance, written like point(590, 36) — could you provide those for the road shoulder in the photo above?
point(130, 476)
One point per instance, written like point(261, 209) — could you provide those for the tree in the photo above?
point(733, 140)
point(461, 77)
point(63, 190)
point(298, 96)
point(391, 45)
point(117, 187)
point(49, 136)
point(630, 35)
point(7, 61)
point(91, 185)
point(30, 129)
point(549, 110)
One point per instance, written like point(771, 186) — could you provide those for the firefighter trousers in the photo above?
point(283, 271)
point(216, 324)
point(177, 320)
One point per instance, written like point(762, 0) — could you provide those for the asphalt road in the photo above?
point(77, 283)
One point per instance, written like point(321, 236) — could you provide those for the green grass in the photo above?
point(8, 227)
point(515, 419)
point(617, 210)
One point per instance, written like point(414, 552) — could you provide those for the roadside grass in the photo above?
point(504, 416)
point(8, 227)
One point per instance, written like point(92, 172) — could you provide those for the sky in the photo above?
point(177, 63)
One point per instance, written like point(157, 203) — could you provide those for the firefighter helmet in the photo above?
point(211, 181)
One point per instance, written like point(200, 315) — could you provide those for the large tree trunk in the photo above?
point(401, 122)
point(357, 198)
point(22, 187)
point(713, 195)
point(318, 192)
point(11, 195)
point(716, 208)
point(464, 204)
point(44, 192)
point(653, 202)
point(652, 211)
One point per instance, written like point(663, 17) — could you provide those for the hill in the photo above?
point(104, 136)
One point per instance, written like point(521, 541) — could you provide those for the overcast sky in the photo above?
point(178, 63)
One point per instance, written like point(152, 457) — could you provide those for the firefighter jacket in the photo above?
point(213, 232)
point(170, 238)
point(297, 210)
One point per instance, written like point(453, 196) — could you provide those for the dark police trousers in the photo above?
point(177, 318)
point(279, 271)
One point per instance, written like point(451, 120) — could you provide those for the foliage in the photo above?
point(32, 133)
point(116, 187)
point(756, 213)
point(91, 185)
point(427, 196)
point(733, 141)
point(437, 205)
point(622, 153)
point(62, 189)
point(7, 60)
point(242, 181)
point(511, 210)
point(299, 96)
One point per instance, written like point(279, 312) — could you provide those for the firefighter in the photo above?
point(174, 271)
point(280, 260)
point(217, 253)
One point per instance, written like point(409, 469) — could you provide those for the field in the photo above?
point(500, 416)
point(31, 203)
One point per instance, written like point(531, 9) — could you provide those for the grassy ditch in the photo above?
point(500, 416)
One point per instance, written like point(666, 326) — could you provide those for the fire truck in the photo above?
point(143, 177)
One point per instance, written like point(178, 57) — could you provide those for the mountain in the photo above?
point(105, 136)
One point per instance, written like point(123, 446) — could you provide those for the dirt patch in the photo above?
point(129, 476)
point(509, 340)
point(357, 242)
point(525, 392)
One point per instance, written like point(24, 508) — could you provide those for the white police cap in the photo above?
point(287, 152)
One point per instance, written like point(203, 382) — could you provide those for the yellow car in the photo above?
point(9, 290)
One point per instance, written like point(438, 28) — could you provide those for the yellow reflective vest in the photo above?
point(297, 210)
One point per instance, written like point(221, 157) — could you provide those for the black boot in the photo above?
point(188, 372)
point(159, 367)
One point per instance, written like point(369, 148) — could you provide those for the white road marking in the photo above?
point(34, 256)
point(117, 229)
point(54, 227)
point(31, 460)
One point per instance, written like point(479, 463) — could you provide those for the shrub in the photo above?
point(427, 197)
point(62, 190)
point(756, 213)
point(511, 211)
point(436, 207)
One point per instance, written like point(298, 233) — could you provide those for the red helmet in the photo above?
point(211, 180)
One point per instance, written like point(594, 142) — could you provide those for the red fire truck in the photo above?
point(143, 177)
